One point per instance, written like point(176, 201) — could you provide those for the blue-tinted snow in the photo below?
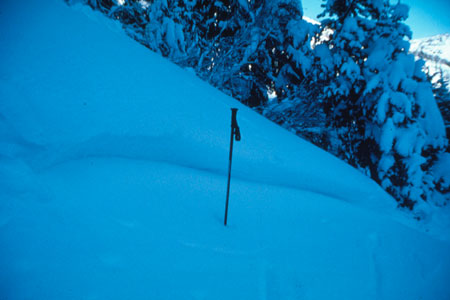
point(112, 184)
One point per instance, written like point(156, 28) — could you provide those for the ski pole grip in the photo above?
point(234, 125)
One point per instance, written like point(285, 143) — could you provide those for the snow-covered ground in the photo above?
point(113, 169)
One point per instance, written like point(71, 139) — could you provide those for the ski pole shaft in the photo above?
point(233, 130)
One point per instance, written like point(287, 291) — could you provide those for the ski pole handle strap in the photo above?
point(237, 133)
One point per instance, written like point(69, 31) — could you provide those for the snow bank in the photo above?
point(111, 101)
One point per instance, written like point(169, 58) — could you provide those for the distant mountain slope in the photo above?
point(113, 169)
point(435, 51)
point(435, 48)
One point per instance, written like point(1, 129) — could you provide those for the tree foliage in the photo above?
point(378, 100)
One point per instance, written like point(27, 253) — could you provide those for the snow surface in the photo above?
point(113, 169)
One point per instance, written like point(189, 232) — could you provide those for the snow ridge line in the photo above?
point(162, 149)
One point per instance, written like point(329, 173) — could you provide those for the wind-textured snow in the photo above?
point(112, 182)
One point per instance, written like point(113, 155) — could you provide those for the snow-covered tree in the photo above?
point(105, 6)
point(247, 47)
point(291, 51)
point(221, 25)
point(295, 106)
point(166, 28)
point(378, 100)
point(441, 91)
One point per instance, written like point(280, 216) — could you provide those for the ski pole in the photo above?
point(235, 134)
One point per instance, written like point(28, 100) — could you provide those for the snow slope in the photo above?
point(112, 180)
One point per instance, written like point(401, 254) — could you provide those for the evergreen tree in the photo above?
point(166, 27)
point(378, 99)
point(220, 32)
point(441, 91)
point(247, 47)
point(295, 104)
point(290, 49)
